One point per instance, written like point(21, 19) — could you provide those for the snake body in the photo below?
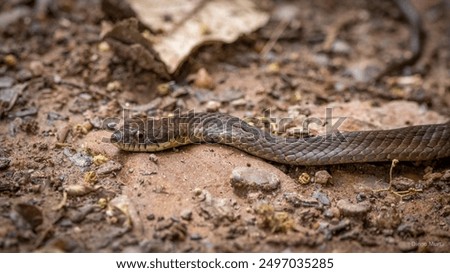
point(413, 143)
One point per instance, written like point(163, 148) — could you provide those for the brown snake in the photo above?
point(414, 143)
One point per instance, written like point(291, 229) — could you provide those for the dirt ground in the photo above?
point(64, 188)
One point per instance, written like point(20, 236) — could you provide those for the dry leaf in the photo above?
point(180, 26)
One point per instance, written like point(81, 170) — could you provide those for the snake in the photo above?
point(411, 143)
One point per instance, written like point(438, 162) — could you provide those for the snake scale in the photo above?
point(413, 143)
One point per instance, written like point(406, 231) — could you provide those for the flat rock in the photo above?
point(109, 167)
point(254, 179)
point(356, 210)
point(6, 82)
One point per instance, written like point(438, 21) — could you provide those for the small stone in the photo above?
point(79, 159)
point(238, 103)
point(6, 82)
point(340, 47)
point(322, 198)
point(322, 177)
point(150, 217)
point(332, 213)
point(4, 162)
point(109, 167)
point(204, 80)
point(37, 68)
point(104, 47)
point(113, 86)
point(355, 210)
point(212, 106)
point(255, 179)
point(403, 183)
point(153, 158)
point(196, 237)
point(186, 214)
point(197, 191)
point(24, 75)
point(52, 116)
point(361, 197)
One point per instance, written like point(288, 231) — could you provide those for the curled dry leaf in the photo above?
point(178, 27)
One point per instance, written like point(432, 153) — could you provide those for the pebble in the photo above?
point(195, 237)
point(322, 177)
point(153, 158)
point(322, 198)
point(104, 47)
point(332, 213)
point(4, 162)
point(361, 196)
point(37, 68)
point(340, 47)
point(204, 80)
point(79, 159)
point(6, 82)
point(150, 217)
point(114, 86)
point(253, 178)
point(197, 191)
point(109, 167)
point(356, 210)
point(212, 106)
point(52, 116)
point(403, 183)
point(238, 103)
point(186, 214)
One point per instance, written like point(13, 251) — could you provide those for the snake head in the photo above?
point(148, 135)
point(130, 137)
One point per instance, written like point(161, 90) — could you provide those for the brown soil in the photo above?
point(68, 84)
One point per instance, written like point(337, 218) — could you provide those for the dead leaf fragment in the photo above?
point(178, 27)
